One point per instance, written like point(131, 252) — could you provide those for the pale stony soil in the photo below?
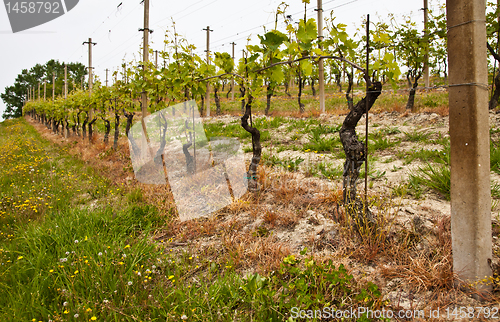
point(318, 227)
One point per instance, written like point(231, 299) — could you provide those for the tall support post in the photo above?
point(156, 59)
point(53, 86)
point(44, 91)
point(366, 106)
point(469, 136)
point(145, 59)
point(426, 34)
point(107, 77)
point(207, 97)
point(39, 91)
point(81, 83)
point(90, 43)
point(321, 68)
point(232, 79)
point(65, 81)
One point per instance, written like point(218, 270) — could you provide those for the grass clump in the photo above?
point(416, 136)
point(290, 164)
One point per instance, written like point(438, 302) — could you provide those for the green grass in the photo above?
point(289, 164)
point(62, 260)
point(382, 144)
point(439, 156)
point(317, 143)
point(417, 136)
point(435, 177)
point(326, 170)
point(495, 157)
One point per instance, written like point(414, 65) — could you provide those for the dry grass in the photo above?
point(442, 110)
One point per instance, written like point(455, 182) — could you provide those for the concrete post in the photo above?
point(145, 58)
point(90, 43)
point(232, 78)
point(53, 86)
point(426, 57)
point(321, 68)
point(65, 81)
point(469, 135)
point(207, 97)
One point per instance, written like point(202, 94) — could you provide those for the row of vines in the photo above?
point(396, 48)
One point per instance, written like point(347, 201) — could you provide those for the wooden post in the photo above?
point(44, 90)
point(469, 136)
point(107, 77)
point(321, 68)
point(39, 91)
point(207, 97)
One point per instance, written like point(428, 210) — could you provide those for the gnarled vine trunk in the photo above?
point(299, 96)
point(84, 126)
point(117, 130)
point(413, 88)
point(253, 185)
point(107, 127)
point(269, 95)
point(91, 123)
point(355, 156)
point(217, 100)
point(496, 93)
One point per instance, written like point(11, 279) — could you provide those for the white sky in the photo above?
point(117, 36)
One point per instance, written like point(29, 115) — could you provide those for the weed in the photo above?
point(382, 144)
point(436, 177)
point(395, 168)
point(495, 157)
point(416, 136)
point(329, 171)
point(291, 164)
point(400, 190)
point(390, 130)
point(377, 175)
point(135, 196)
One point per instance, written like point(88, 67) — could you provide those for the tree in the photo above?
point(15, 95)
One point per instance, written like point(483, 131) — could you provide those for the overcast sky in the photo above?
point(115, 29)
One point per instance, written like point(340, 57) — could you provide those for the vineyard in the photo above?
point(346, 207)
